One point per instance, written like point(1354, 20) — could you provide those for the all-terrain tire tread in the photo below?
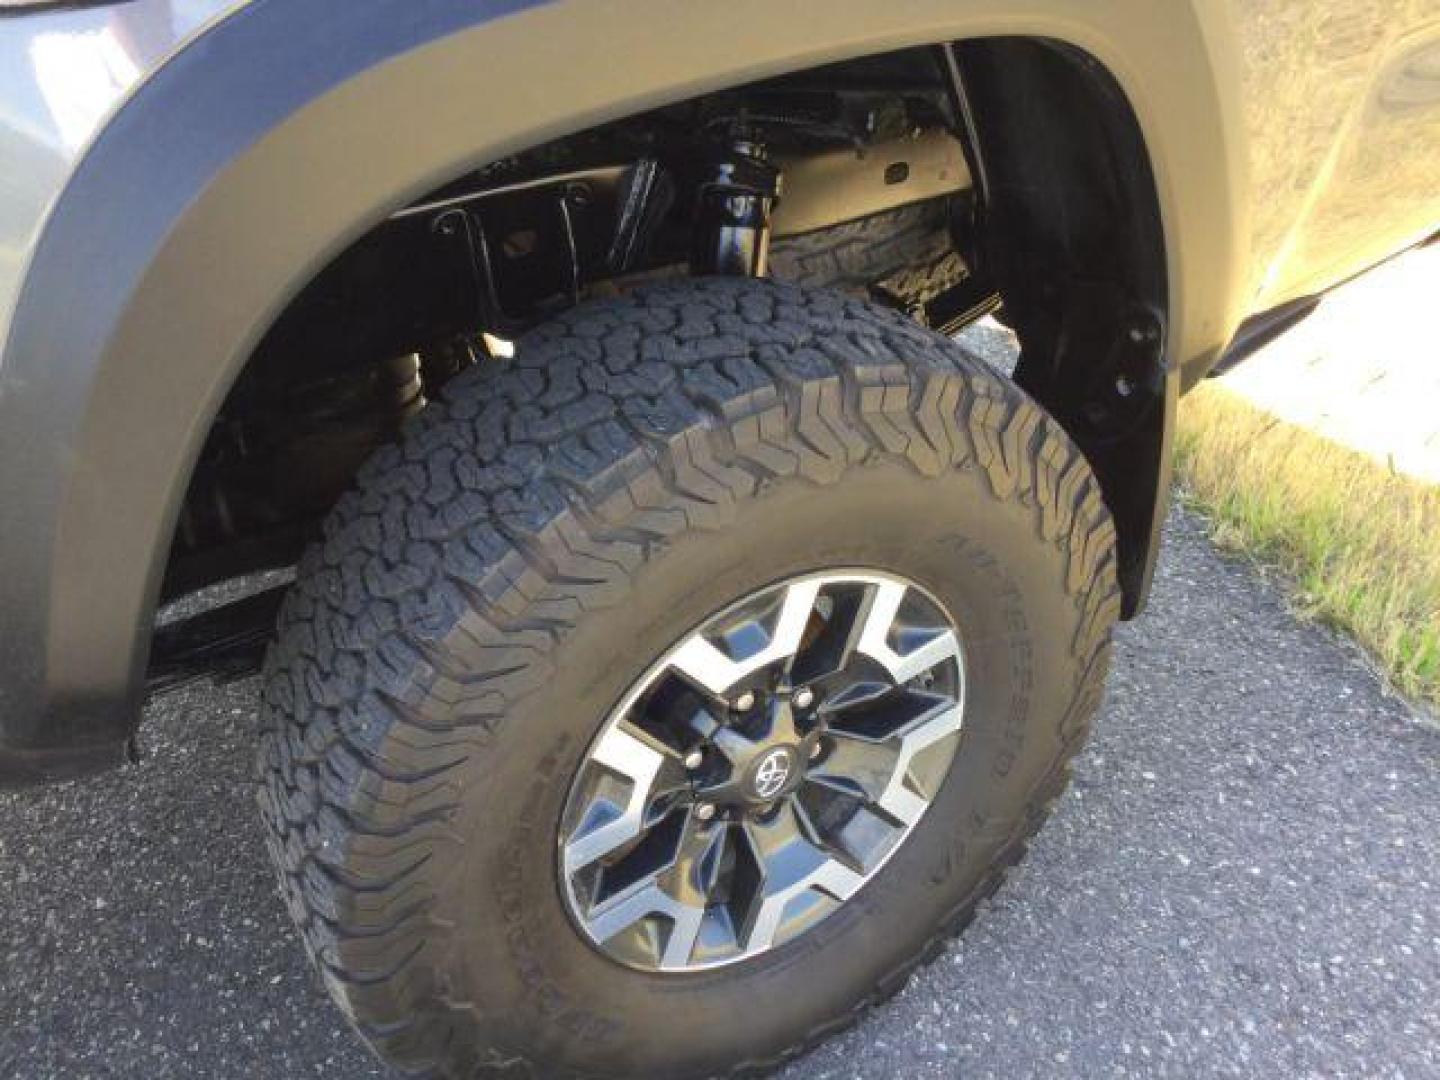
point(904, 255)
point(527, 498)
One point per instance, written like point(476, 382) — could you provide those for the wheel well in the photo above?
point(1047, 200)
point(1074, 242)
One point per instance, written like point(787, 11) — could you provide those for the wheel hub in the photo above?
point(775, 773)
point(756, 761)
point(762, 771)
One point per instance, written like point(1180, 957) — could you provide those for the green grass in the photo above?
point(1360, 543)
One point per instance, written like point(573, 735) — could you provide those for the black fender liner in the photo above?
point(1078, 253)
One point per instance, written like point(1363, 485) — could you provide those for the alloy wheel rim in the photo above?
point(762, 771)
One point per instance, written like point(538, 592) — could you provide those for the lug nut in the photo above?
point(804, 697)
point(694, 759)
point(705, 811)
point(746, 701)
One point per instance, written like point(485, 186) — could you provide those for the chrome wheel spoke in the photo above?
point(647, 900)
point(882, 769)
point(680, 945)
point(859, 767)
point(830, 643)
point(698, 862)
point(900, 798)
point(705, 664)
point(793, 865)
point(875, 643)
point(638, 762)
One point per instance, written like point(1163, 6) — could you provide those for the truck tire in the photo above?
point(542, 797)
point(903, 256)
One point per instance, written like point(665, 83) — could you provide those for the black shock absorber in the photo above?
point(737, 188)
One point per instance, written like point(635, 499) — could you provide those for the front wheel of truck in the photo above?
point(671, 691)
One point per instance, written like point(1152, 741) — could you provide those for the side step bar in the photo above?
point(223, 643)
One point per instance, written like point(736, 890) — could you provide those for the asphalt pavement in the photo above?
point(1243, 881)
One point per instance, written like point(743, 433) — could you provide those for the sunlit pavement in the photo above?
point(1364, 369)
